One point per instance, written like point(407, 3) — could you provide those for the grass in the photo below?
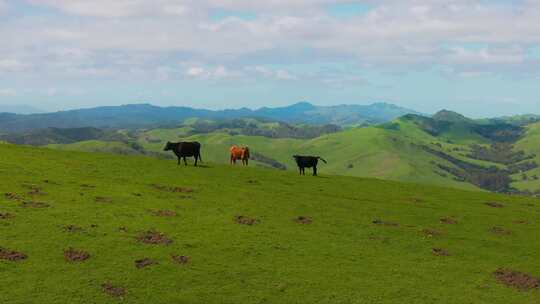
point(342, 257)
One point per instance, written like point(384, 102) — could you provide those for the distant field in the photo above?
point(251, 235)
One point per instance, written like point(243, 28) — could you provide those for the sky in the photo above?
point(478, 57)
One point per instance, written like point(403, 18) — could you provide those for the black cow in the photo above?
point(304, 162)
point(185, 149)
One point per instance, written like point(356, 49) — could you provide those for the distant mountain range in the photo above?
point(146, 115)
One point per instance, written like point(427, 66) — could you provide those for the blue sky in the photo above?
point(477, 57)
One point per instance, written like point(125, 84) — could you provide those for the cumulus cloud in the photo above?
point(8, 93)
point(136, 36)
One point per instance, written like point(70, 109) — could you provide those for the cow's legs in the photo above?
point(314, 170)
point(196, 158)
point(185, 161)
point(179, 161)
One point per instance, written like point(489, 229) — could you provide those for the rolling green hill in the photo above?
point(413, 149)
point(447, 149)
point(142, 230)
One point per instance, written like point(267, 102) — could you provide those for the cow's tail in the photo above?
point(322, 159)
point(200, 158)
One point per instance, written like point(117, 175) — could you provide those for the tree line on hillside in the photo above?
point(263, 128)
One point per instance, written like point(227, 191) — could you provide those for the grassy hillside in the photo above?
point(531, 144)
point(447, 149)
point(362, 240)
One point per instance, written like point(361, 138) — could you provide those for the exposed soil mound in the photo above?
point(72, 228)
point(173, 189)
point(181, 259)
point(5, 216)
point(74, 255)
point(385, 223)
point(516, 279)
point(153, 237)
point(494, 205)
point(430, 233)
point(448, 220)
point(114, 291)
point(305, 220)
point(244, 220)
point(12, 197)
point(32, 204)
point(500, 231)
point(164, 213)
point(34, 190)
point(11, 255)
point(440, 252)
point(144, 263)
point(101, 199)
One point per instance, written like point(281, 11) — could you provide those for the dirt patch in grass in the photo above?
point(34, 190)
point(72, 228)
point(32, 204)
point(144, 263)
point(102, 199)
point(153, 237)
point(87, 186)
point(123, 229)
point(253, 182)
point(114, 291)
point(244, 220)
point(516, 279)
point(50, 182)
point(521, 222)
point(164, 213)
point(440, 252)
point(494, 205)
point(430, 233)
point(305, 220)
point(500, 231)
point(137, 194)
point(449, 220)
point(12, 255)
point(12, 197)
point(385, 223)
point(6, 216)
point(417, 200)
point(172, 189)
point(74, 255)
point(180, 259)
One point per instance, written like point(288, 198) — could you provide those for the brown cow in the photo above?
point(240, 153)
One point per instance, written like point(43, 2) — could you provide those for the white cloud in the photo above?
point(11, 65)
point(195, 72)
point(8, 93)
point(120, 36)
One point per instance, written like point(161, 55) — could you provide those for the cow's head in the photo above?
point(168, 146)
